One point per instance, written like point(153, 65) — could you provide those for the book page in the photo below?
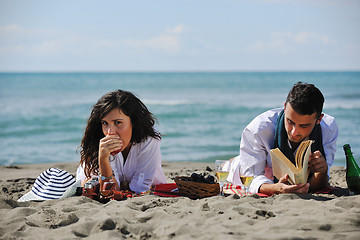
point(302, 158)
point(306, 160)
point(299, 158)
point(298, 173)
point(281, 165)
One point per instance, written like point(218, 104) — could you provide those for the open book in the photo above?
point(299, 172)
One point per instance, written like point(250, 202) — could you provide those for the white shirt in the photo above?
point(258, 139)
point(142, 167)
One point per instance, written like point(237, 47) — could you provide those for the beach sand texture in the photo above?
point(286, 216)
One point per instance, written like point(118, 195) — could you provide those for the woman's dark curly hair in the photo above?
point(141, 119)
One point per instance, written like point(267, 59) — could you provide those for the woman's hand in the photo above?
point(84, 181)
point(109, 144)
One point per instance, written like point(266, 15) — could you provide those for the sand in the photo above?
point(285, 216)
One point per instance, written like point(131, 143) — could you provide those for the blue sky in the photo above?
point(197, 35)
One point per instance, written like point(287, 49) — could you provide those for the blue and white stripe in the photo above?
point(52, 183)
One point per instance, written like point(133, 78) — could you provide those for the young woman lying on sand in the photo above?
point(121, 145)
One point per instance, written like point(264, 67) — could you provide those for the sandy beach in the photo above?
point(287, 216)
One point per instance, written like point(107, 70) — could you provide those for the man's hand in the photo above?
point(318, 166)
point(317, 163)
point(283, 187)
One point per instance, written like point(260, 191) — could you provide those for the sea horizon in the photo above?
point(183, 71)
point(201, 114)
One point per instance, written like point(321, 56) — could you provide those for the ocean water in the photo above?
point(201, 115)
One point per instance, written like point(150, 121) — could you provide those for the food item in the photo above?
point(195, 177)
point(116, 151)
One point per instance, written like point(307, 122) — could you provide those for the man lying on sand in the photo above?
point(300, 119)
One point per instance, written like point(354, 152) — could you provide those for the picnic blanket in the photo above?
point(171, 190)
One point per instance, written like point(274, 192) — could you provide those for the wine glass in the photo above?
point(246, 179)
point(221, 173)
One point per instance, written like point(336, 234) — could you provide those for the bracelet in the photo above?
point(103, 178)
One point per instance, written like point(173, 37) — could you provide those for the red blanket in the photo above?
point(171, 190)
point(165, 190)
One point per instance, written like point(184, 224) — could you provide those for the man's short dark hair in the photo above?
point(306, 99)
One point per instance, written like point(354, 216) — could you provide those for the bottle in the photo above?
point(352, 171)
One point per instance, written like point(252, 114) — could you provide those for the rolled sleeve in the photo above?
point(256, 141)
point(257, 182)
point(252, 157)
point(80, 174)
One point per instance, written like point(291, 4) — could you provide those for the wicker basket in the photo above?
point(196, 190)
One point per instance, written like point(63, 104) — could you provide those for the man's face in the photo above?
point(298, 126)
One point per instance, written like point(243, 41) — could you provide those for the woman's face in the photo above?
point(117, 123)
